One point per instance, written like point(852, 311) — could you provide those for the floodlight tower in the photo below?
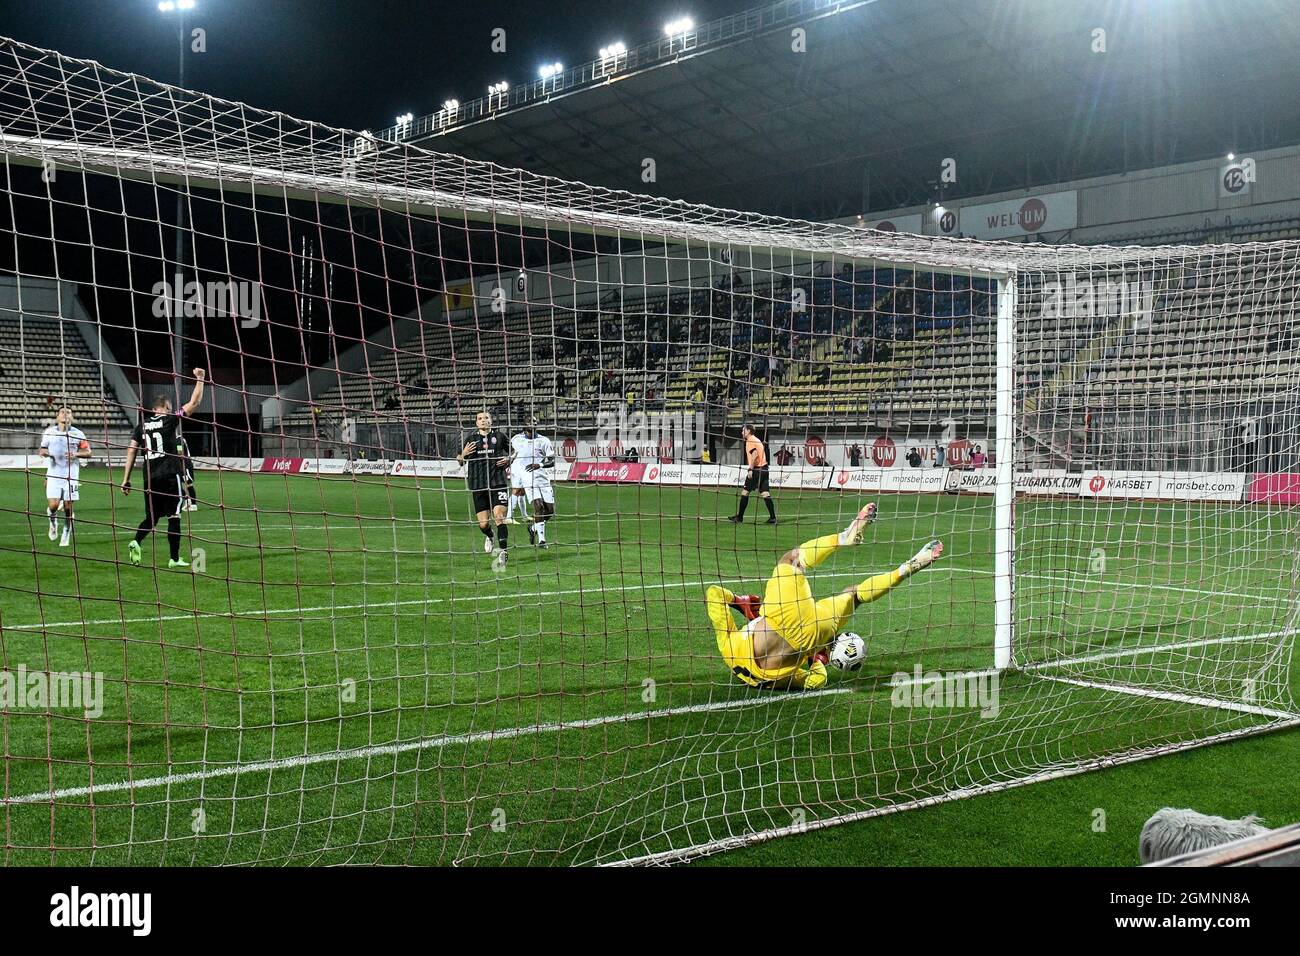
point(178, 9)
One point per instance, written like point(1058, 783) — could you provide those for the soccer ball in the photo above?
point(848, 651)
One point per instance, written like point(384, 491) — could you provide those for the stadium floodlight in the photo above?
point(549, 70)
point(498, 88)
point(405, 119)
point(1231, 157)
point(451, 106)
point(678, 27)
point(613, 51)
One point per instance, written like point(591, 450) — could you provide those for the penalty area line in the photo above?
point(387, 750)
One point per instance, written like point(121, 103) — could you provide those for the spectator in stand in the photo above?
point(938, 454)
point(784, 456)
point(855, 455)
point(913, 457)
point(977, 457)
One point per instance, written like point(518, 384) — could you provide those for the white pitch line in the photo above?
point(256, 613)
point(1212, 702)
point(386, 750)
point(1157, 648)
point(1092, 658)
point(347, 523)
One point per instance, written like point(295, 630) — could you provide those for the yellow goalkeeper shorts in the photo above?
point(806, 624)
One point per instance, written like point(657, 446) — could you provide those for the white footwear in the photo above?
point(191, 506)
point(488, 546)
point(65, 541)
point(853, 533)
point(499, 562)
point(54, 530)
point(511, 521)
point(929, 554)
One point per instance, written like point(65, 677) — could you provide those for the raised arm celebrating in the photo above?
point(197, 395)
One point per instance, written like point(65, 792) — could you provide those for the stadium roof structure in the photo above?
point(77, 113)
point(1019, 92)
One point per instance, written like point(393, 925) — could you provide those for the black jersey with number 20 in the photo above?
point(156, 437)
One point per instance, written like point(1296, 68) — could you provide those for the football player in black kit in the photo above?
point(486, 451)
point(163, 491)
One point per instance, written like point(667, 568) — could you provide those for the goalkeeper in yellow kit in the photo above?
point(784, 644)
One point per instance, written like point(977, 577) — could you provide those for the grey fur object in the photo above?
point(1172, 832)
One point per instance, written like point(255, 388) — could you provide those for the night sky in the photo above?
point(355, 64)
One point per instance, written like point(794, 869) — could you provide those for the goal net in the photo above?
point(349, 671)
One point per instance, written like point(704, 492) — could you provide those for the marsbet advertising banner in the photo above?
point(1264, 488)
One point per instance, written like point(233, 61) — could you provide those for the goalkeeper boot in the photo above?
point(853, 533)
point(54, 529)
point(133, 551)
point(178, 563)
point(748, 605)
point(929, 554)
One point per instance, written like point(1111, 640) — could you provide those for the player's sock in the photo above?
point(877, 585)
point(771, 507)
point(873, 587)
point(503, 536)
point(744, 503)
point(817, 550)
point(54, 516)
point(174, 538)
point(540, 528)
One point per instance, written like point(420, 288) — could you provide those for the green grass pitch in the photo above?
point(343, 679)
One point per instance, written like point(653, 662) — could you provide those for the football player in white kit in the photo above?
point(518, 483)
point(63, 447)
point(533, 456)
